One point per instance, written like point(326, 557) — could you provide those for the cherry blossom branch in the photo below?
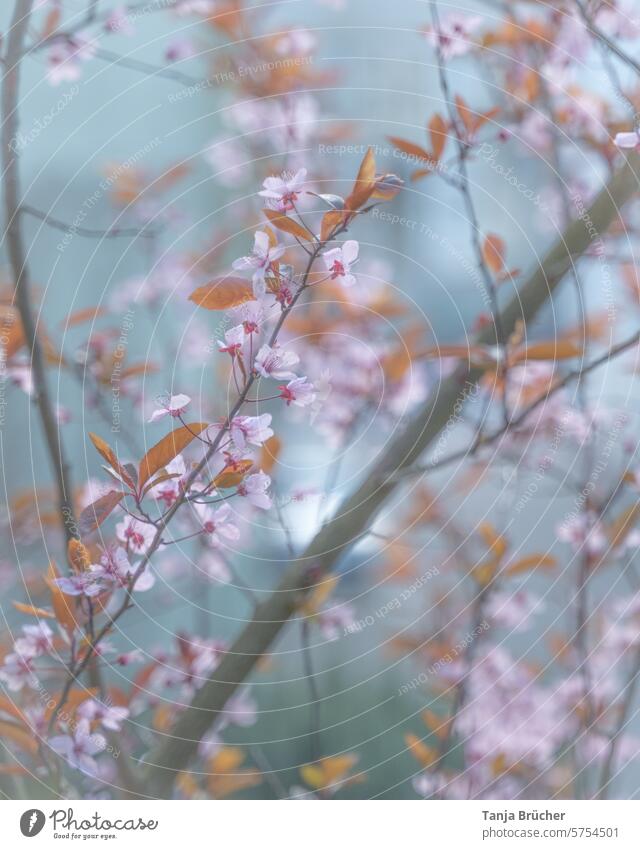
point(357, 512)
point(19, 267)
point(78, 668)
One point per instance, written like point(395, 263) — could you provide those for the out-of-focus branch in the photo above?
point(595, 30)
point(516, 421)
point(355, 515)
point(88, 232)
point(17, 258)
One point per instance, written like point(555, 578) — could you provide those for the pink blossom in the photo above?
point(119, 21)
point(621, 20)
point(584, 530)
point(169, 489)
point(233, 341)
point(627, 141)
point(115, 567)
point(88, 584)
point(110, 717)
point(339, 261)
point(17, 671)
point(536, 130)
point(275, 363)
point(334, 621)
point(21, 376)
point(260, 261)
point(213, 565)
point(227, 160)
point(254, 487)
point(454, 34)
point(282, 192)
point(296, 42)
point(217, 523)
point(137, 535)
point(129, 657)
point(63, 414)
point(79, 747)
point(299, 392)
point(37, 640)
point(195, 7)
point(64, 58)
point(173, 406)
point(250, 429)
point(251, 315)
point(240, 710)
point(179, 49)
point(513, 610)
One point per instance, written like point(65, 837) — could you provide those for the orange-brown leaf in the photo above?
point(532, 561)
point(63, 605)
point(8, 707)
point(25, 740)
point(223, 293)
point(78, 556)
point(109, 455)
point(365, 182)
point(556, 349)
point(288, 225)
point(233, 475)
point(424, 754)
point(438, 135)
point(330, 221)
point(269, 454)
point(30, 610)
point(81, 316)
point(170, 446)
point(411, 149)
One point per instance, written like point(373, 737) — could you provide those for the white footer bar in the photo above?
point(319, 825)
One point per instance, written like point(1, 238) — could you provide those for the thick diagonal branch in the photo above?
point(357, 512)
point(17, 258)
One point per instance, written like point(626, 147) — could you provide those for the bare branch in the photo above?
point(17, 258)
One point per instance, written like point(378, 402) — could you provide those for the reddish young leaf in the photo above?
point(493, 251)
point(95, 514)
